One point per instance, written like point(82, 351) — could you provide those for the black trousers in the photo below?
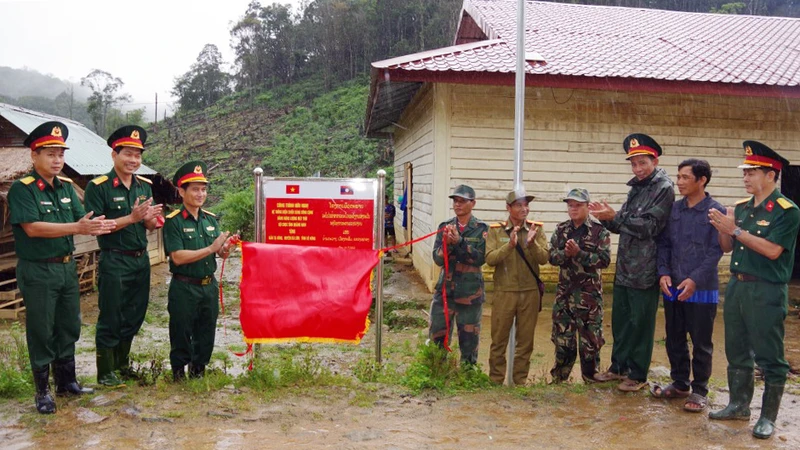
point(697, 321)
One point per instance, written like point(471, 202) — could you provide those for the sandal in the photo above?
point(629, 385)
point(657, 391)
point(695, 403)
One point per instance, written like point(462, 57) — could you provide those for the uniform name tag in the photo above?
point(66, 200)
point(472, 239)
point(46, 203)
point(505, 239)
point(188, 230)
point(210, 228)
point(119, 199)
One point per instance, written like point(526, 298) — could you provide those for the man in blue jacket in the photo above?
point(688, 256)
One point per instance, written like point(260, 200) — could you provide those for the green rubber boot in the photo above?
point(122, 360)
point(105, 368)
point(740, 383)
point(770, 403)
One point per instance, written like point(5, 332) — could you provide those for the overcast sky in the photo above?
point(146, 43)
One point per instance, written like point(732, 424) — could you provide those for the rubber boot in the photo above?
point(740, 383)
point(122, 360)
point(44, 400)
point(197, 371)
point(770, 403)
point(66, 382)
point(178, 374)
point(105, 368)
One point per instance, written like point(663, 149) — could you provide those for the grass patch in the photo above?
point(16, 379)
point(436, 369)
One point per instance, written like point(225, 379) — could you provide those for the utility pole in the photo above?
point(155, 126)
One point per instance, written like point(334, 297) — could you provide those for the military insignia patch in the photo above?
point(198, 169)
point(770, 206)
point(40, 184)
point(485, 234)
point(66, 200)
point(210, 228)
point(634, 143)
point(748, 151)
point(116, 182)
point(762, 223)
point(56, 132)
point(135, 134)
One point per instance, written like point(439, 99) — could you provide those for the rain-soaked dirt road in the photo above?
point(372, 415)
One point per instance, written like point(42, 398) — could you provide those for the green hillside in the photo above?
point(293, 130)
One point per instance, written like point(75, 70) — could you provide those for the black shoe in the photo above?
point(44, 400)
point(178, 374)
point(197, 371)
point(66, 382)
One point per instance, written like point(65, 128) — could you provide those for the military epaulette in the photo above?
point(785, 204)
point(100, 180)
point(173, 214)
point(146, 180)
point(210, 213)
point(744, 200)
point(541, 224)
point(497, 225)
point(27, 180)
point(68, 180)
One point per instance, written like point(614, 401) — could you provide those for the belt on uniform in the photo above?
point(57, 260)
point(134, 253)
point(205, 281)
point(745, 277)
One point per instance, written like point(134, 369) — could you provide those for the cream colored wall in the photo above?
point(573, 139)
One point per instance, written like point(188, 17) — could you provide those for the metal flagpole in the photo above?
point(258, 175)
point(379, 275)
point(519, 133)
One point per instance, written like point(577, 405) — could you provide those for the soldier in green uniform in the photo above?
point(45, 214)
point(580, 248)
point(516, 288)
point(192, 239)
point(762, 233)
point(466, 246)
point(638, 222)
point(124, 278)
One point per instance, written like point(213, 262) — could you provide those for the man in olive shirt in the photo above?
point(762, 233)
point(515, 285)
point(45, 214)
point(124, 280)
point(192, 238)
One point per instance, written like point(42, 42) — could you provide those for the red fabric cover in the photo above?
point(292, 293)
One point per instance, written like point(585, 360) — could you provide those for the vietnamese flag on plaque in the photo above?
point(293, 293)
point(292, 188)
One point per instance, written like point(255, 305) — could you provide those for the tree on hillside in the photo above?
point(105, 95)
point(267, 47)
point(204, 83)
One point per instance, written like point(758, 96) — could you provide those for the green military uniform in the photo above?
point(756, 298)
point(46, 272)
point(516, 293)
point(194, 291)
point(635, 304)
point(124, 275)
point(464, 284)
point(578, 307)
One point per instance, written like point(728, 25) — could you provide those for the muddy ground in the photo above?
point(380, 415)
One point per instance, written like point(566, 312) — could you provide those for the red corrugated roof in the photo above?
point(600, 47)
point(599, 41)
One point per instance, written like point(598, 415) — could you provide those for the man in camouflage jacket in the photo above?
point(581, 248)
point(639, 221)
point(466, 245)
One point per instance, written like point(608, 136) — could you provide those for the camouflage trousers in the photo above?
point(468, 323)
point(577, 314)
